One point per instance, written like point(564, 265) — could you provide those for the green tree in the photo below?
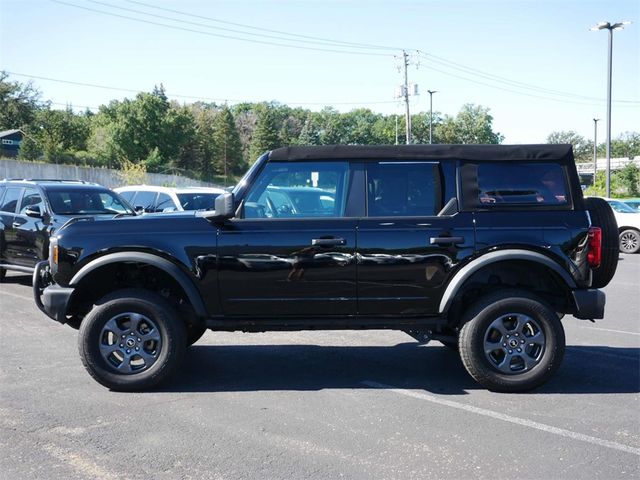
point(133, 129)
point(19, 103)
point(582, 148)
point(265, 135)
point(472, 124)
point(228, 149)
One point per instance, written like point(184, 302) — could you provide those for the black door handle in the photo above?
point(328, 242)
point(446, 240)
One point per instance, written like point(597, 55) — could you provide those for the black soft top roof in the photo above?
point(553, 152)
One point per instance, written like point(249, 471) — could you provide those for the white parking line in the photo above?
point(505, 418)
point(24, 297)
point(614, 331)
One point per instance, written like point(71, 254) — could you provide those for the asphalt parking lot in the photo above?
point(320, 405)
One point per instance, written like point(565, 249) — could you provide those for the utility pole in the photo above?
point(610, 27)
point(595, 149)
point(431, 92)
point(405, 63)
point(403, 91)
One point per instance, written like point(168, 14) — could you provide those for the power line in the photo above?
point(296, 38)
point(191, 97)
point(498, 79)
point(218, 35)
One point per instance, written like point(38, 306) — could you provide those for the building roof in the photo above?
point(6, 133)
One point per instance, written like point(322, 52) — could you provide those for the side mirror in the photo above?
point(224, 208)
point(139, 209)
point(33, 211)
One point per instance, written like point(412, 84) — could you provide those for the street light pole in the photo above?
point(431, 92)
point(595, 149)
point(611, 27)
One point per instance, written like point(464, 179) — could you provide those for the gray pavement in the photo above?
point(320, 405)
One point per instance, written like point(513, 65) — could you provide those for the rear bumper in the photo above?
point(51, 299)
point(589, 303)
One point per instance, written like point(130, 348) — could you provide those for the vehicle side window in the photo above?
point(10, 200)
point(164, 201)
point(299, 190)
point(30, 198)
point(128, 196)
point(521, 183)
point(403, 189)
point(145, 200)
point(2, 190)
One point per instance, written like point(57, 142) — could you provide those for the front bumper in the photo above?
point(589, 303)
point(50, 298)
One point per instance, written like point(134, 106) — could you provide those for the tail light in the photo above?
point(594, 256)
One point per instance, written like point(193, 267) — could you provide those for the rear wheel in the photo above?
point(602, 216)
point(511, 341)
point(131, 340)
point(629, 241)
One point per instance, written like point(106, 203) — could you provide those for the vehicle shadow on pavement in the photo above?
point(17, 279)
point(436, 369)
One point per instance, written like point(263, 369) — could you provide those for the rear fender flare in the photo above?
point(472, 267)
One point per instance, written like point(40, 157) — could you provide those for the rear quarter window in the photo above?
point(504, 184)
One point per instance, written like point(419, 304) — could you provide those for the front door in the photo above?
point(31, 241)
point(292, 251)
point(406, 252)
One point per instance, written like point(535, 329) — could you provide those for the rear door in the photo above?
point(406, 252)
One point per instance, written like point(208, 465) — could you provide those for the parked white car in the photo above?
point(167, 199)
point(628, 225)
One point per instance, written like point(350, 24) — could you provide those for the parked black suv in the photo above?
point(482, 247)
point(31, 210)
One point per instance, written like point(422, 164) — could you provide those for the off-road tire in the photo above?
point(478, 321)
point(171, 330)
point(602, 216)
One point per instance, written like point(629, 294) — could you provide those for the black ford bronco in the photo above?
point(481, 247)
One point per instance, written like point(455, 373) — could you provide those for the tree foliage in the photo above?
point(205, 140)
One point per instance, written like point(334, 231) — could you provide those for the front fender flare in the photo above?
point(140, 257)
point(499, 256)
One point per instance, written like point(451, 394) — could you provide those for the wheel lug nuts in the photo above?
point(139, 340)
point(521, 341)
point(123, 336)
point(137, 349)
point(504, 344)
point(516, 334)
point(519, 350)
point(508, 336)
point(510, 351)
point(121, 345)
point(128, 351)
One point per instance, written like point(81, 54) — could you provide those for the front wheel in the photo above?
point(629, 241)
point(511, 342)
point(131, 340)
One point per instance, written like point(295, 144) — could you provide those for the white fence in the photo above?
point(104, 176)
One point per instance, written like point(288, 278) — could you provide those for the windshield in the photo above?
point(621, 207)
point(197, 201)
point(86, 202)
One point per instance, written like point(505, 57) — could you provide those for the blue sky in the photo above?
point(535, 64)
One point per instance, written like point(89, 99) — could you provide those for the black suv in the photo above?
point(481, 247)
point(32, 210)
